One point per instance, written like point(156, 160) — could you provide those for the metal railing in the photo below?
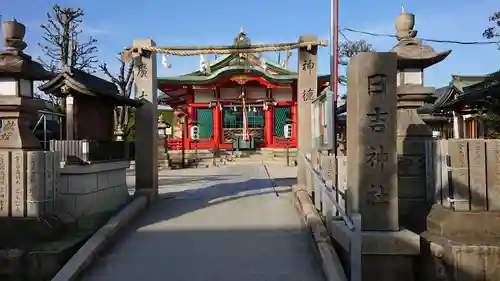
point(42, 123)
point(91, 151)
point(352, 221)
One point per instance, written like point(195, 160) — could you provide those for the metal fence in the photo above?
point(91, 151)
point(330, 199)
point(49, 126)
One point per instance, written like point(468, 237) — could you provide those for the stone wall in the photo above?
point(27, 183)
point(88, 190)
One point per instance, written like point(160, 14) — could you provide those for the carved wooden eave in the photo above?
point(80, 83)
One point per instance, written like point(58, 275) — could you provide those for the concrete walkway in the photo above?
point(216, 224)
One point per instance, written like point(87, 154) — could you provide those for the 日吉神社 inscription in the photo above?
point(377, 120)
point(376, 84)
point(376, 156)
point(371, 131)
point(376, 194)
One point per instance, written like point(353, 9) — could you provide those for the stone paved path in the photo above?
point(215, 224)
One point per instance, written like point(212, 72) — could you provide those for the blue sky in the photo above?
point(195, 22)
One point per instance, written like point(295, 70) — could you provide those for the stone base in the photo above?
point(446, 222)
point(461, 245)
point(88, 190)
point(387, 255)
point(17, 232)
point(40, 262)
point(460, 258)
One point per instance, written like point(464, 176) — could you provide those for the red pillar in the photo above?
point(190, 118)
point(294, 116)
point(216, 119)
point(269, 126)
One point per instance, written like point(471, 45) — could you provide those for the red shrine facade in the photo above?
point(236, 95)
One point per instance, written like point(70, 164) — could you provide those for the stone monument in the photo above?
point(371, 132)
point(28, 175)
point(146, 143)
point(307, 88)
point(387, 251)
point(412, 132)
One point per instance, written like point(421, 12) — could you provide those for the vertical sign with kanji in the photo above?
point(372, 134)
point(307, 88)
point(146, 118)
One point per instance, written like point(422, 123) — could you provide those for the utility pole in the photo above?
point(333, 93)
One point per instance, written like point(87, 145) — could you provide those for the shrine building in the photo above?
point(235, 95)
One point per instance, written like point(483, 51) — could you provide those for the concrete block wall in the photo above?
point(87, 190)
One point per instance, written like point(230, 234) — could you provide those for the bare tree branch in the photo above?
point(123, 81)
point(61, 42)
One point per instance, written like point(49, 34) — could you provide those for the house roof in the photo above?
point(86, 84)
point(469, 90)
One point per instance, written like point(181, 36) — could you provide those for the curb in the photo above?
point(94, 246)
point(331, 265)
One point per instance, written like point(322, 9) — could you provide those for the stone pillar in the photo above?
point(413, 133)
point(307, 88)
point(371, 133)
point(458, 125)
point(146, 147)
point(70, 117)
point(372, 192)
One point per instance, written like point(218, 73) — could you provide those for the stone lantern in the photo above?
point(162, 144)
point(413, 58)
point(27, 173)
point(412, 131)
point(17, 73)
point(161, 127)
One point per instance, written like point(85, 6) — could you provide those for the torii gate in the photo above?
point(141, 54)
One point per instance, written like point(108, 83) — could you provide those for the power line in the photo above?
point(423, 39)
point(345, 37)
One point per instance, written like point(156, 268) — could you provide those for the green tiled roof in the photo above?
point(462, 81)
point(230, 70)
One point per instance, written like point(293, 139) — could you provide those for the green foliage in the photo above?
point(492, 121)
point(349, 49)
point(168, 117)
point(130, 136)
point(494, 30)
point(492, 118)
